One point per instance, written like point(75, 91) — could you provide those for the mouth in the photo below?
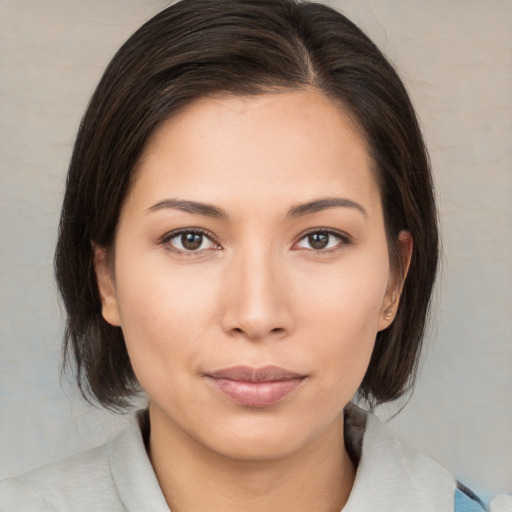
point(255, 387)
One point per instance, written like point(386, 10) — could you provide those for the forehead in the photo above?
point(289, 144)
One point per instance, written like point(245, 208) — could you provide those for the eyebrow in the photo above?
point(208, 210)
point(324, 204)
point(300, 210)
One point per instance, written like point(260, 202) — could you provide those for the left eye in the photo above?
point(190, 241)
point(320, 241)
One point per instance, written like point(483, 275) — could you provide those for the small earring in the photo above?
point(388, 312)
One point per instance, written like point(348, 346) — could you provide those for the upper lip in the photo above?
point(249, 374)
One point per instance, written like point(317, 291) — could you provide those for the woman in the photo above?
point(249, 235)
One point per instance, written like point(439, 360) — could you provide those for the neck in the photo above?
point(319, 476)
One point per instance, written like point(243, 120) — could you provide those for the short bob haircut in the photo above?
point(201, 48)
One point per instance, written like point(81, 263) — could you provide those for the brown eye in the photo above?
point(322, 241)
point(318, 240)
point(189, 241)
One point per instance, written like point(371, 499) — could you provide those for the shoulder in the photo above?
point(78, 482)
point(113, 477)
point(391, 477)
point(16, 495)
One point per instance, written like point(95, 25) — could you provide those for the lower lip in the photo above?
point(256, 394)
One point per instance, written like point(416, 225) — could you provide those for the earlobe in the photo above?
point(392, 298)
point(387, 314)
point(106, 286)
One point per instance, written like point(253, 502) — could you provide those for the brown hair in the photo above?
point(197, 48)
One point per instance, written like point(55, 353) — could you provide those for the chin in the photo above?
point(256, 448)
point(264, 439)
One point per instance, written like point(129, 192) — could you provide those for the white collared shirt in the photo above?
point(118, 477)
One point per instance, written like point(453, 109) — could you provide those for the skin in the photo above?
point(255, 293)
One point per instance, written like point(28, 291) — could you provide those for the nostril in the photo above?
point(276, 330)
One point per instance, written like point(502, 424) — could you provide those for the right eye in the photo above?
point(189, 241)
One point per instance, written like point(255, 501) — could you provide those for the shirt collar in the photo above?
point(132, 471)
point(390, 477)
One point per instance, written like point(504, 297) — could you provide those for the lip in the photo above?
point(255, 387)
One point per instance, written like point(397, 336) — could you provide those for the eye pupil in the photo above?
point(191, 241)
point(318, 240)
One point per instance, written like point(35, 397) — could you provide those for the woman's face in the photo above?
point(251, 271)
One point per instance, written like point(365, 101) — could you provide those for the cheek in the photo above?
point(164, 314)
point(341, 311)
point(349, 295)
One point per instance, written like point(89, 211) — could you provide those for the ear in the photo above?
point(396, 283)
point(106, 285)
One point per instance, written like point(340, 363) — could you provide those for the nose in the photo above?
point(257, 302)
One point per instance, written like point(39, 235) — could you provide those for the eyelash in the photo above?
point(165, 240)
point(342, 237)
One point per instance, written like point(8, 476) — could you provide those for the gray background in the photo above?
point(456, 59)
